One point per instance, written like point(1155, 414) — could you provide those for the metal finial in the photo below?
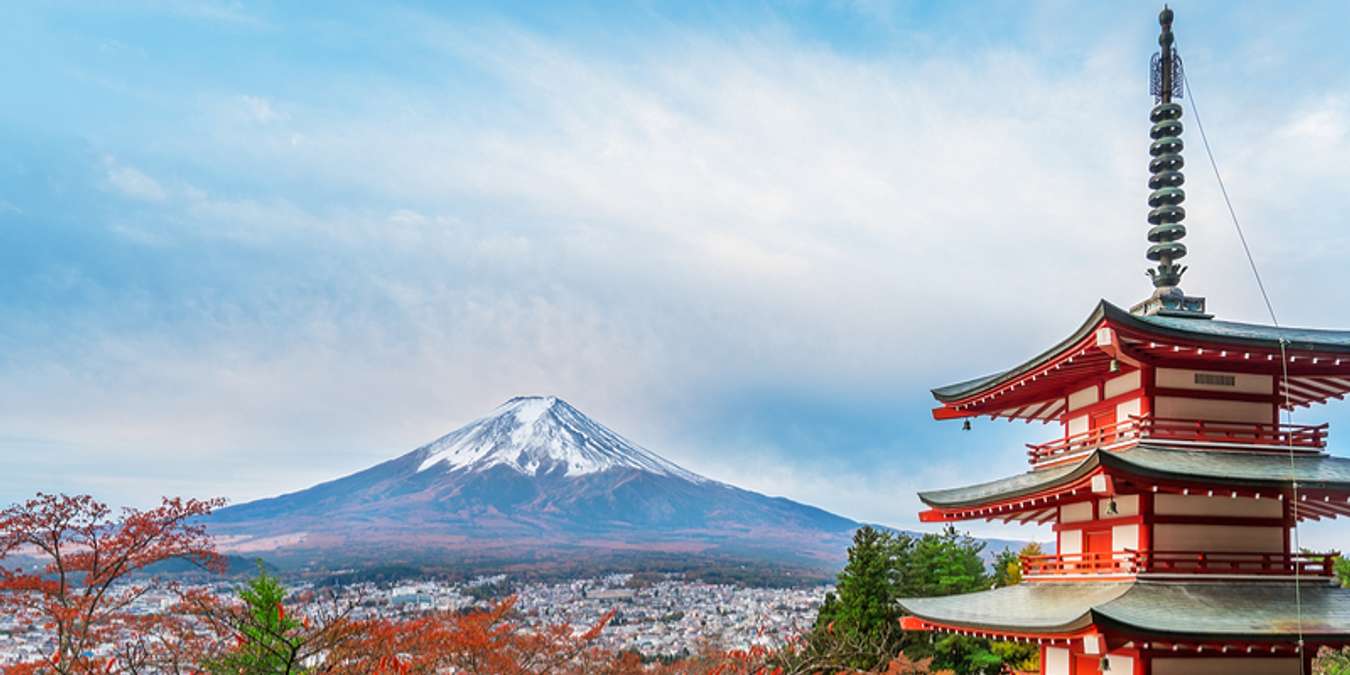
point(1166, 179)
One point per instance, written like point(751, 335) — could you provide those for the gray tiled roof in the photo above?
point(1007, 488)
point(1236, 468)
point(1313, 339)
point(1198, 609)
point(1243, 609)
point(1205, 330)
point(1046, 607)
point(1246, 468)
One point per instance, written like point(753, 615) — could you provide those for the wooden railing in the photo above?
point(1199, 562)
point(1131, 562)
point(1284, 435)
point(1300, 436)
point(1063, 448)
point(1126, 562)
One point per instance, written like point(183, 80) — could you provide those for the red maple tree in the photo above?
point(482, 641)
point(79, 588)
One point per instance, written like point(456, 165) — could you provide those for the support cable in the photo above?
point(1284, 365)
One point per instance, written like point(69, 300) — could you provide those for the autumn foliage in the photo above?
point(85, 552)
point(81, 591)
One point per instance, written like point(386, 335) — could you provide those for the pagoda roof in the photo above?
point(1229, 610)
point(1030, 608)
point(1195, 610)
point(1182, 338)
point(1245, 469)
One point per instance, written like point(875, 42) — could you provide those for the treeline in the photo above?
point(86, 595)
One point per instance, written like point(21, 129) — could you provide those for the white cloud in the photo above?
point(131, 182)
point(647, 235)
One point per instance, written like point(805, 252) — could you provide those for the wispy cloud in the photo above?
point(132, 183)
point(747, 247)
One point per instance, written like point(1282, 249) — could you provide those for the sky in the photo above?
point(248, 247)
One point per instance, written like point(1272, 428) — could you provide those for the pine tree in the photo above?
point(265, 635)
point(864, 604)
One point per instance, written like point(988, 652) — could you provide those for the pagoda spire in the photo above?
point(1165, 181)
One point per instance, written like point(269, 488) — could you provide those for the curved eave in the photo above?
point(1245, 471)
point(1220, 612)
point(1163, 611)
point(1236, 469)
point(1031, 609)
point(963, 390)
point(1013, 487)
point(1232, 333)
point(1191, 330)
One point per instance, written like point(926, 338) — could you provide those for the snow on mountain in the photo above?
point(534, 478)
point(539, 435)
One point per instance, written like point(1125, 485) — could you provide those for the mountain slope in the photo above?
point(534, 475)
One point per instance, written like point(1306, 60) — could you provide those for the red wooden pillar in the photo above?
point(1145, 524)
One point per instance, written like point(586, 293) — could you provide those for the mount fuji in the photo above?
point(535, 477)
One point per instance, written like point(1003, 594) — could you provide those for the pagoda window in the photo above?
point(1241, 383)
point(1215, 396)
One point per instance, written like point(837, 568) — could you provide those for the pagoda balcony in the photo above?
point(1131, 563)
point(1230, 435)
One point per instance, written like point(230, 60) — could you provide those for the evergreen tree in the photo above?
point(864, 600)
point(942, 564)
point(265, 633)
point(1008, 565)
point(860, 621)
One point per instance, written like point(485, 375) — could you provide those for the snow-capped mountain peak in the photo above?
point(539, 435)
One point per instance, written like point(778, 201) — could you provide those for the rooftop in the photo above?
point(1152, 467)
point(1205, 611)
point(1318, 361)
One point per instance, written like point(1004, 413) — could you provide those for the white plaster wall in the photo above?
point(1078, 425)
point(1119, 385)
point(1082, 397)
point(1218, 505)
point(1244, 383)
point(1125, 537)
point(1070, 542)
point(1238, 665)
point(1214, 410)
point(1126, 408)
point(1218, 538)
point(1076, 512)
point(1126, 505)
point(1056, 661)
point(1121, 663)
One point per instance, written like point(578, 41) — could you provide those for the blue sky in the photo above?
point(248, 247)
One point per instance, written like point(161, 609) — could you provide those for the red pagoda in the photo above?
point(1174, 488)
